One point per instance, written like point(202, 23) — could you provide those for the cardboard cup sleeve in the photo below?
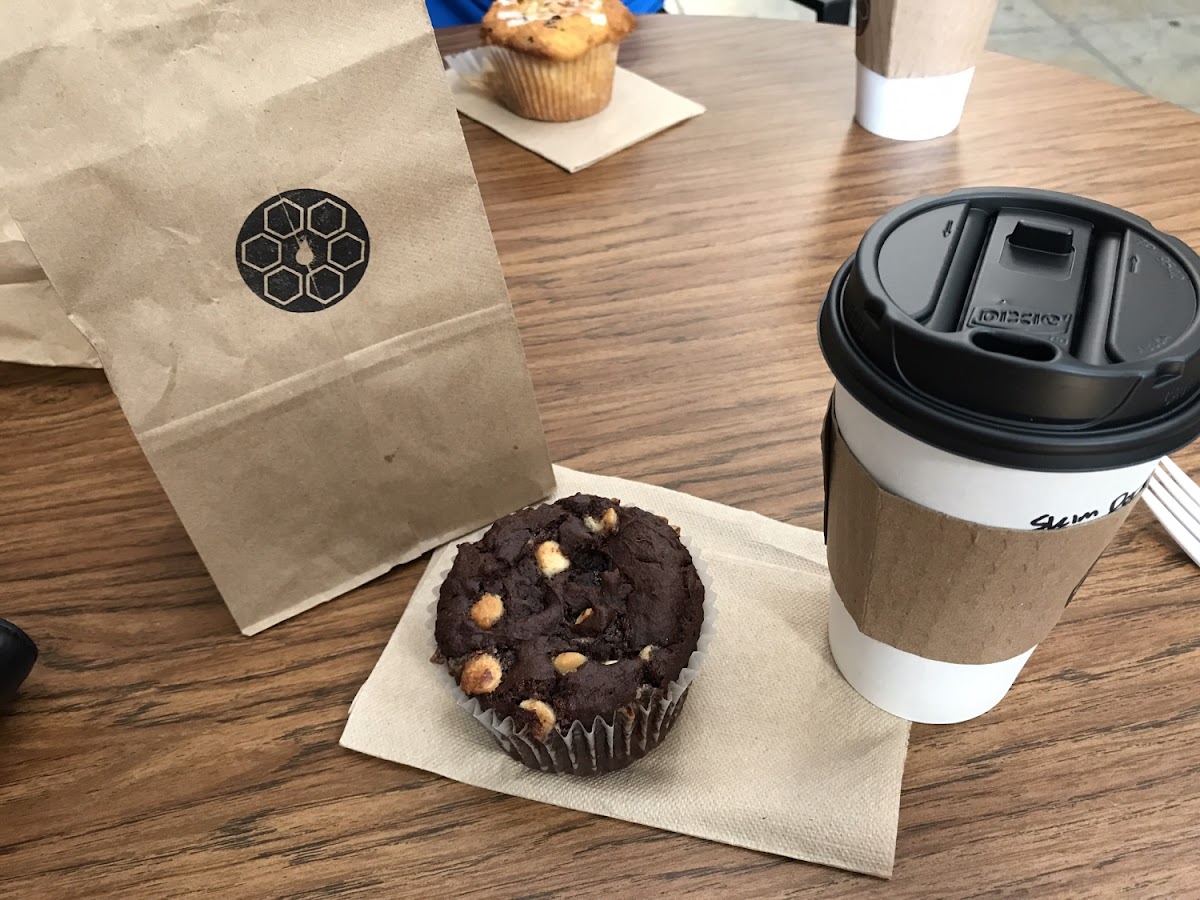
point(945, 588)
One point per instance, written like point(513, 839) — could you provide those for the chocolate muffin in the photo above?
point(569, 613)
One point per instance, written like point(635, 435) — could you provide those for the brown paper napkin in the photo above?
point(774, 752)
point(639, 109)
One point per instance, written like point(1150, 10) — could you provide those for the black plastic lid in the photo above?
point(1025, 328)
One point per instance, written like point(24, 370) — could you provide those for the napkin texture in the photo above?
point(639, 109)
point(774, 751)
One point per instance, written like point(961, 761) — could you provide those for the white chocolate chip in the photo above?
point(481, 674)
point(545, 717)
point(607, 523)
point(565, 663)
point(550, 559)
point(583, 616)
point(646, 652)
point(487, 610)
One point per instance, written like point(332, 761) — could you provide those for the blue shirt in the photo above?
point(444, 13)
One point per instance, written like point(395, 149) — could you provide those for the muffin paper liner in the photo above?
point(542, 89)
point(601, 746)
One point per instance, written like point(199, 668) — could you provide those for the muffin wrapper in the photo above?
point(541, 89)
point(599, 747)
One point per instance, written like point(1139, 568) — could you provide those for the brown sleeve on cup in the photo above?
point(908, 38)
point(827, 431)
point(945, 588)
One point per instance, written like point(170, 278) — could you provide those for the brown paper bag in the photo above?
point(264, 218)
point(34, 328)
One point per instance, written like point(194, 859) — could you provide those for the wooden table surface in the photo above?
point(667, 299)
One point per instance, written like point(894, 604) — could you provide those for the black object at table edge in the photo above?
point(18, 653)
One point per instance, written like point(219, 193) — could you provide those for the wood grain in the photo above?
point(667, 298)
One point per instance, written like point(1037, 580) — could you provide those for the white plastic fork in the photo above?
point(1175, 500)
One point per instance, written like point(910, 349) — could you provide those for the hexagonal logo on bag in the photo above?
point(303, 250)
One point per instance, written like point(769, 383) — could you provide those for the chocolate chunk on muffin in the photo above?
point(570, 612)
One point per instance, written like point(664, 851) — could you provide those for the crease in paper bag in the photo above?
point(524, 482)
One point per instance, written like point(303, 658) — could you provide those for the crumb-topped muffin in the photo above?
point(571, 612)
point(555, 59)
point(561, 30)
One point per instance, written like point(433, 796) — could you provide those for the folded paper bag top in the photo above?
point(1010, 365)
point(268, 226)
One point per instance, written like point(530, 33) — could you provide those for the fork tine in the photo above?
point(1181, 478)
point(1178, 501)
point(1174, 527)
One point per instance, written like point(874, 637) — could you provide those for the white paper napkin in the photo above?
point(639, 109)
point(774, 751)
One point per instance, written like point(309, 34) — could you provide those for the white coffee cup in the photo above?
point(928, 690)
point(1014, 359)
point(916, 60)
